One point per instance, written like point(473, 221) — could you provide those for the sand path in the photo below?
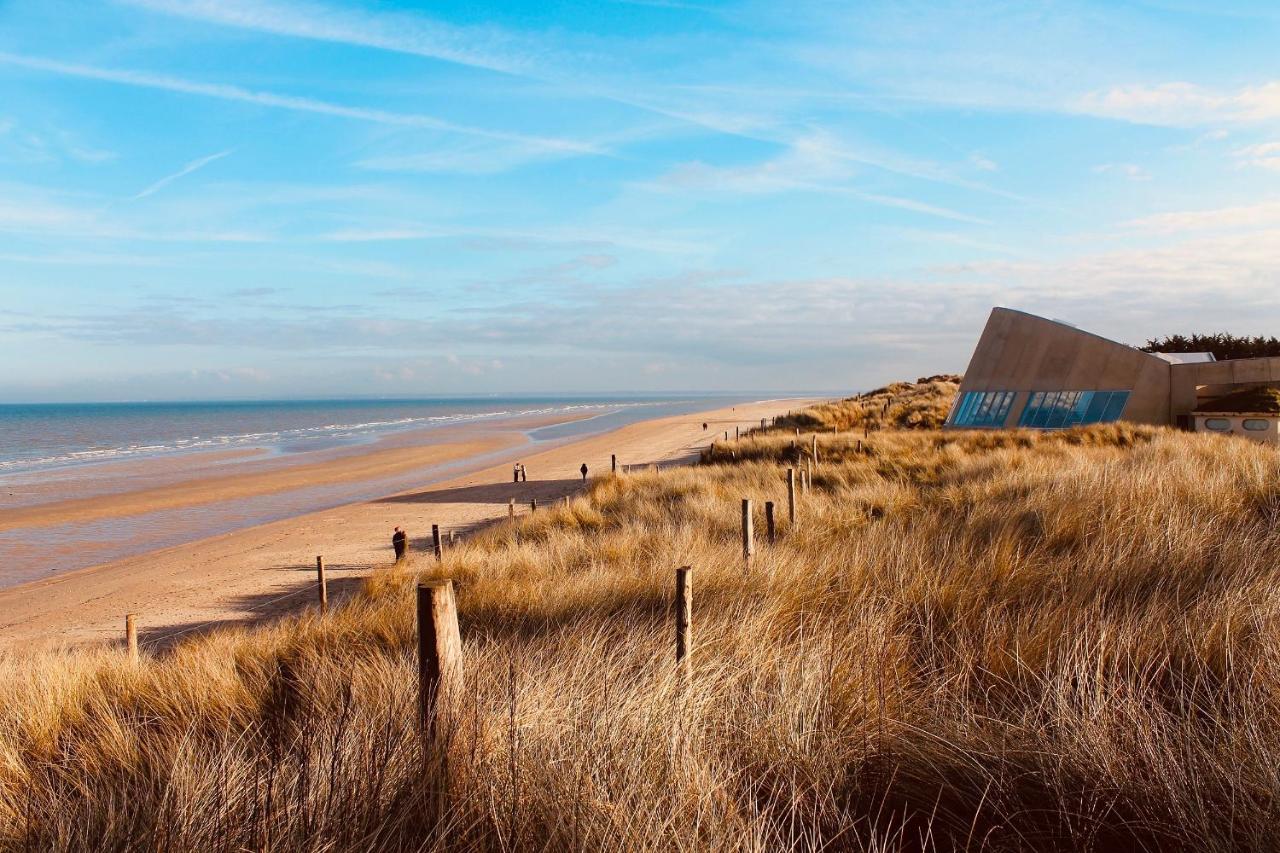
point(261, 571)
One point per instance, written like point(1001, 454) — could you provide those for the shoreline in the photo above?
point(240, 575)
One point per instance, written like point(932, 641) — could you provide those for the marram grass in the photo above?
point(971, 641)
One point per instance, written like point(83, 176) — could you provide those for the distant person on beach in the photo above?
point(524, 474)
point(704, 426)
point(515, 472)
point(583, 469)
point(400, 542)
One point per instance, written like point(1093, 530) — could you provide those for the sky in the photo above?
point(286, 198)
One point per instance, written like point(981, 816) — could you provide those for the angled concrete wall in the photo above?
point(1022, 352)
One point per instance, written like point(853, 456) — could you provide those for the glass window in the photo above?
point(1063, 409)
point(1219, 424)
point(1114, 406)
point(1029, 410)
point(981, 409)
point(1046, 409)
point(1257, 424)
point(1097, 405)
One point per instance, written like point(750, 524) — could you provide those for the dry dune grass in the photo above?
point(922, 404)
point(971, 641)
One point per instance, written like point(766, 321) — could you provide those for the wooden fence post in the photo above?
point(439, 649)
point(533, 504)
point(613, 463)
point(791, 496)
point(771, 532)
point(511, 509)
point(322, 584)
point(815, 448)
point(762, 423)
point(737, 433)
point(808, 476)
point(436, 545)
point(748, 533)
point(131, 637)
point(684, 616)
point(726, 435)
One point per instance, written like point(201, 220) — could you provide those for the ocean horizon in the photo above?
point(39, 437)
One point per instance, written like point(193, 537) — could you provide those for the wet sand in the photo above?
point(260, 571)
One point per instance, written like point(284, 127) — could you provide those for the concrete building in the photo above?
point(1028, 371)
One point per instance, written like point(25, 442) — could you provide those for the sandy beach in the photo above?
point(269, 569)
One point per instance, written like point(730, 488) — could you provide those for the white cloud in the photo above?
point(410, 34)
point(226, 92)
point(193, 166)
point(1248, 216)
point(813, 164)
point(1131, 171)
point(1265, 155)
point(981, 161)
point(1181, 104)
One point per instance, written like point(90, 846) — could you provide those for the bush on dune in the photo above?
point(971, 640)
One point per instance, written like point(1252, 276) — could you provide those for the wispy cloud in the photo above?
point(1181, 104)
point(812, 164)
point(415, 35)
point(193, 166)
point(1129, 171)
point(1249, 216)
point(1265, 155)
point(226, 92)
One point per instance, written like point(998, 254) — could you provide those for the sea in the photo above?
point(54, 452)
point(45, 436)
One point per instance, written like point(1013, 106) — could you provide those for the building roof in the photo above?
point(1186, 357)
point(1262, 400)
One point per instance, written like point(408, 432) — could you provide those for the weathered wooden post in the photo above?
point(726, 435)
point(748, 533)
point(762, 423)
point(322, 585)
point(815, 448)
point(436, 544)
point(131, 637)
point(511, 509)
point(533, 504)
point(613, 463)
point(453, 538)
point(808, 476)
point(859, 445)
point(771, 532)
point(439, 649)
point(684, 616)
point(791, 496)
point(737, 433)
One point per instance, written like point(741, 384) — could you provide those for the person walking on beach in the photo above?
point(524, 474)
point(583, 469)
point(515, 472)
point(400, 542)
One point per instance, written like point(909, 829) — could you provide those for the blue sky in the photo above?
point(260, 198)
